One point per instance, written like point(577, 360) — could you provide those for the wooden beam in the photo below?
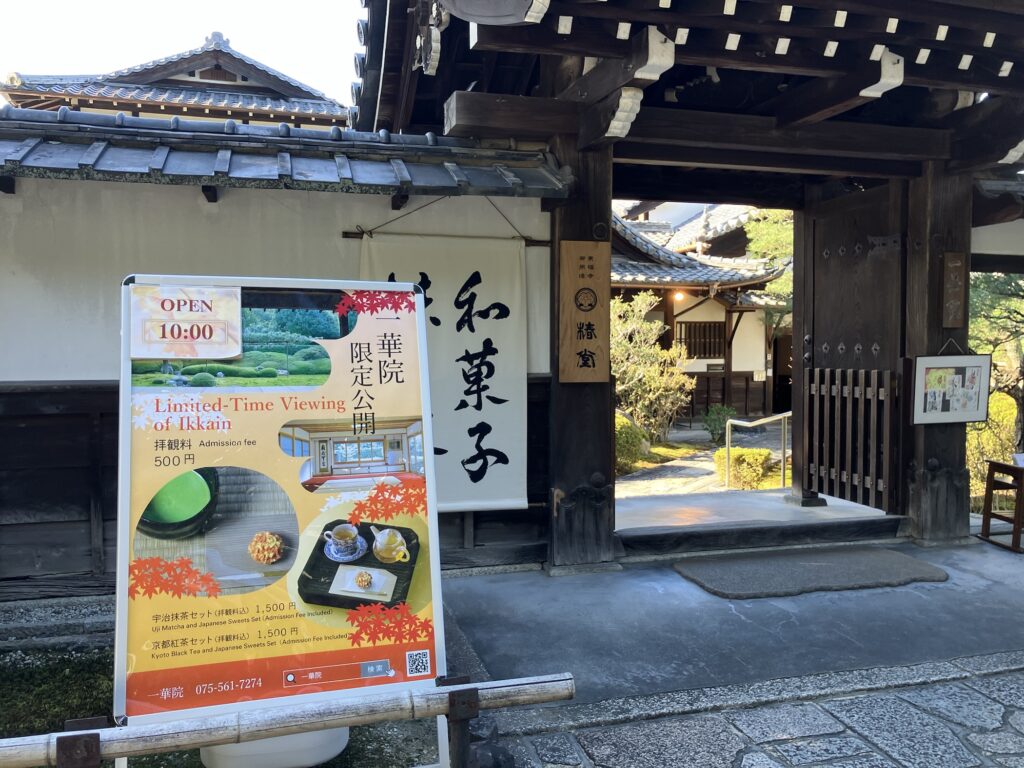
point(982, 19)
point(7, 185)
point(699, 186)
point(467, 113)
point(989, 134)
point(627, 152)
point(758, 48)
point(713, 130)
point(823, 98)
point(541, 39)
point(651, 54)
point(987, 210)
point(762, 19)
point(997, 262)
point(210, 192)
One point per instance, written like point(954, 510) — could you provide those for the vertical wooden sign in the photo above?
point(954, 290)
point(584, 323)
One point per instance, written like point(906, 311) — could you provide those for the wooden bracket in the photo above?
point(7, 185)
point(210, 193)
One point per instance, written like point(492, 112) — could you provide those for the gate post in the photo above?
point(933, 470)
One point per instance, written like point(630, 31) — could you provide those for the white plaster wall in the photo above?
point(1000, 239)
point(65, 246)
point(748, 346)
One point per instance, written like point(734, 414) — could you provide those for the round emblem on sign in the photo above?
point(586, 299)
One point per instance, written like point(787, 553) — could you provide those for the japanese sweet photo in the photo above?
point(215, 530)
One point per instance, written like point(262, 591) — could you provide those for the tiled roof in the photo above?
point(187, 97)
point(670, 269)
point(131, 85)
point(217, 42)
point(755, 299)
point(81, 145)
point(719, 220)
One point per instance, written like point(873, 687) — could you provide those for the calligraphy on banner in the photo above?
point(474, 294)
point(583, 325)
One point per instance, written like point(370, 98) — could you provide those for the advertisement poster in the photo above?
point(952, 389)
point(277, 518)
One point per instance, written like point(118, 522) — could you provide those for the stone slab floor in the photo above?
point(977, 720)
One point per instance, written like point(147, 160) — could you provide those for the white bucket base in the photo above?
point(297, 750)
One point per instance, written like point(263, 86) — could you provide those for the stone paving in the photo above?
point(976, 720)
point(695, 473)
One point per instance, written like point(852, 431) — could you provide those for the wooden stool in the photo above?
point(1004, 477)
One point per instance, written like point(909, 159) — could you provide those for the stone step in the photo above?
point(663, 540)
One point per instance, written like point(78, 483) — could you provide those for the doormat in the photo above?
point(748, 575)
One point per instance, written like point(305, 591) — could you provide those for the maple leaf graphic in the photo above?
point(178, 578)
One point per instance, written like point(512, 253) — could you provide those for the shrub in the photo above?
point(257, 359)
point(629, 444)
point(311, 366)
point(715, 419)
point(651, 384)
point(315, 352)
point(228, 370)
point(750, 467)
point(274, 341)
point(266, 373)
point(146, 366)
point(992, 439)
point(320, 323)
point(203, 380)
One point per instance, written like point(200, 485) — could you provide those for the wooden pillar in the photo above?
point(582, 439)
point(934, 467)
point(668, 304)
point(727, 376)
point(803, 333)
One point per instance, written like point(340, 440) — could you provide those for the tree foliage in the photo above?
point(770, 236)
point(997, 328)
point(650, 382)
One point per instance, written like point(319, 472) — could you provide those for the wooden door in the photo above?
point(852, 335)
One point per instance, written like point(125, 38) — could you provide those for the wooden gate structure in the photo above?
point(872, 120)
point(849, 420)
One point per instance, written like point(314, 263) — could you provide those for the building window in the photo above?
point(703, 340)
point(358, 451)
point(292, 443)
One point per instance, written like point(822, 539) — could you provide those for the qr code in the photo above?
point(417, 663)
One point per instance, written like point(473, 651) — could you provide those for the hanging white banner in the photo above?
point(476, 346)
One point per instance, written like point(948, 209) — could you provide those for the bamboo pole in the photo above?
point(135, 740)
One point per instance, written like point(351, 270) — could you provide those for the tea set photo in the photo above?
point(352, 565)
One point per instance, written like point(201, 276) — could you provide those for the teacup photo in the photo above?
point(342, 540)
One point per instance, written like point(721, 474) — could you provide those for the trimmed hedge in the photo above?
point(311, 366)
point(203, 380)
point(228, 370)
point(750, 467)
point(256, 358)
point(315, 352)
point(629, 444)
point(266, 373)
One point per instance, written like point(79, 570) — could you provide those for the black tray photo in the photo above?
point(318, 575)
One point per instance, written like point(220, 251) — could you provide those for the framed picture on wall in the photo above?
point(951, 389)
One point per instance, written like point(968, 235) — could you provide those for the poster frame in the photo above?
point(922, 364)
point(124, 503)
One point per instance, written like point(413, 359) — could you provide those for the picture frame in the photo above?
point(951, 389)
